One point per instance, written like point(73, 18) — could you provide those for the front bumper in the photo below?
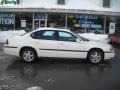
point(109, 55)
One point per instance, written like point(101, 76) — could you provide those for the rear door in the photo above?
point(46, 43)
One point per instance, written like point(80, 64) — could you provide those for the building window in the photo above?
point(61, 2)
point(39, 20)
point(85, 23)
point(115, 20)
point(7, 21)
point(106, 3)
point(56, 20)
point(23, 21)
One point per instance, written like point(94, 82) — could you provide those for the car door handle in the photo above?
point(61, 44)
point(36, 42)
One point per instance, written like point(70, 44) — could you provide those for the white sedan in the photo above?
point(57, 43)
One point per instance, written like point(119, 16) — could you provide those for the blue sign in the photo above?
point(89, 21)
point(7, 19)
point(39, 16)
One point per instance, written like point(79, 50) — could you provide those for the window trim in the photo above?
point(56, 33)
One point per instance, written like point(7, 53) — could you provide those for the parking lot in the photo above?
point(59, 74)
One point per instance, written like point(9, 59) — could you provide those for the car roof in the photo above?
point(46, 28)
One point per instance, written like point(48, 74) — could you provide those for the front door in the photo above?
point(69, 47)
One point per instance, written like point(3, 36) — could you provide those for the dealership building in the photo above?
point(99, 16)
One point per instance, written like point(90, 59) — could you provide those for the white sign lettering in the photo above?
point(6, 21)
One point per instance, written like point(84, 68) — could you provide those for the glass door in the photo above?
point(42, 23)
point(36, 24)
point(39, 23)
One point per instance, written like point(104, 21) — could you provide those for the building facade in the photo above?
point(99, 16)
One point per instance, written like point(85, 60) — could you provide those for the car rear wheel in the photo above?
point(95, 56)
point(28, 55)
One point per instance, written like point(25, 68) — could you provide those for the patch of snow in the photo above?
point(34, 88)
point(97, 37)
point(4, 35)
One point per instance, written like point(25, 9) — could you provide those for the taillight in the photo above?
point(7, 42)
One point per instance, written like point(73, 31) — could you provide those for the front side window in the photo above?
point(64, 36)
point(46, 35)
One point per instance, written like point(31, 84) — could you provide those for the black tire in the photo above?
point(95, 56)
point(31, 57)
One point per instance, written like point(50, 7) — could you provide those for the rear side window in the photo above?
point(46, 35)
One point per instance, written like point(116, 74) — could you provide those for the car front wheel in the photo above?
point(28, 55)
point(95, 56)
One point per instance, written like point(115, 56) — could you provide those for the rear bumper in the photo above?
point(11, 50)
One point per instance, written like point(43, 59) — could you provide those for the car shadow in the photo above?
point(52, 65)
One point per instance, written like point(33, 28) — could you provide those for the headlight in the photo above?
point(111, 48)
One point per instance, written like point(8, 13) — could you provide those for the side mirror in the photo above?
point(77, 40)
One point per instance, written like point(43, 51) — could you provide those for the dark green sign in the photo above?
point(9, 2)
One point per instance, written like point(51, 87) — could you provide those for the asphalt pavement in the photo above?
point(56, 74)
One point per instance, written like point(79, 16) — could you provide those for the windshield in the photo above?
point(82, 38)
